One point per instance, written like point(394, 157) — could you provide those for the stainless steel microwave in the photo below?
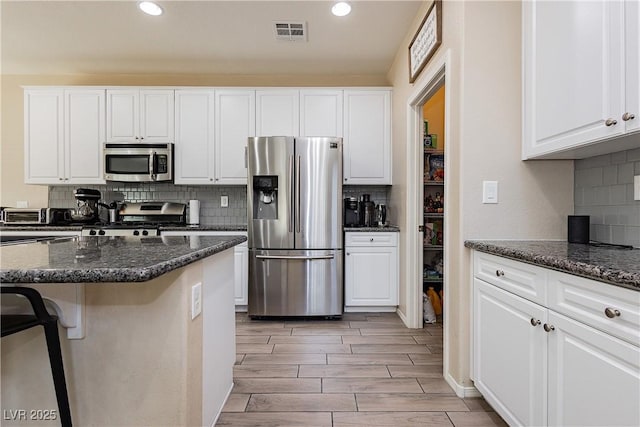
point(138, 162)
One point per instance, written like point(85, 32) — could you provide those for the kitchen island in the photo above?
point(146, 357)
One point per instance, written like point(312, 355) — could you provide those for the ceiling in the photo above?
point(200, 37)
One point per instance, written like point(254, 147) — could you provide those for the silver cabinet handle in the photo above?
point(245, 157)
point(549, 328)
point(611, 312)
point(535, 322)
point(610, 122)
point(628, 116)
point(499, 273)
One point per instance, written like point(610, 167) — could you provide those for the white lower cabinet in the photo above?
point(241, 262)
point(371, 271)
point(536, 366)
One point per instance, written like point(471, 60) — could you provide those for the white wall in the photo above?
point(484, 143)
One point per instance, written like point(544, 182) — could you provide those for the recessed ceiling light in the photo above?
point(150, 8)
point(341, 9)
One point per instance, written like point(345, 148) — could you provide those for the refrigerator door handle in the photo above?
point(298, 195)
point(291, 193)
point(331, 256)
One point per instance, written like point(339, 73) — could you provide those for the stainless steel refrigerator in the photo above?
point(295, 226)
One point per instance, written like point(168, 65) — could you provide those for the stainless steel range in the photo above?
point(141, 219)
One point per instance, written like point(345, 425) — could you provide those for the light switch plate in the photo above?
point(22, 204)
point(489, 191)
point(224, 201)
point(636, 187)
point(196, 300)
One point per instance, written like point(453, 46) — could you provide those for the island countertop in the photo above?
point(616, 266)
point(106, 259)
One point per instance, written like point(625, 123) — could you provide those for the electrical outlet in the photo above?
point(196, 300)
point(224, 201)
point(22, 204)
point(636, 187)
point(489, 191)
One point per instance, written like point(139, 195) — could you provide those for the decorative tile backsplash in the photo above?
point(210, 211)
point(604, 191)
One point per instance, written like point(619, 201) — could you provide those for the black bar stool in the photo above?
point(12, 323)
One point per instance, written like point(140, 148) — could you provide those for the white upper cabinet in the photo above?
point(321, 112)
point(277, 112)
point(235, 123)
point(194, 146)
point(140, 115)
point(64, 132)
point(84, 135)
point(367, 137)
point(43, 136)
point(580, 63)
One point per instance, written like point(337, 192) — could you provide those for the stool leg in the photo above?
point(57, 370)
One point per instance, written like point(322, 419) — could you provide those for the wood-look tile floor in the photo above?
point(367, 369)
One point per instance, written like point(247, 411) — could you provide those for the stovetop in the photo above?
point(125, 229)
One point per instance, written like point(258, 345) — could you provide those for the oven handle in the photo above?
point(331, 256)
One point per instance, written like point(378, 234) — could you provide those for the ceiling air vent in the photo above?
point(291, 31)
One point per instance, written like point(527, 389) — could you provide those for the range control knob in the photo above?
point(92, 233)
point(101, 232)
point(136, 232)
point(145, 232)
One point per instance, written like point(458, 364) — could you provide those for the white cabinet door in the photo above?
point(371, 276)
point(367, 137)
point(594, 379)
point(194, 146)
point(321, 112)
point(44, 136)
point(632, 45)
point(235, 123)
point(135, 115)
point(277, 113)
point(241, 254)
point(84, 135)
point(156, 115)
point(123, 115)
point(510, 354)
point(574, 75)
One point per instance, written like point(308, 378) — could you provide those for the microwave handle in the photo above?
point(152, 162)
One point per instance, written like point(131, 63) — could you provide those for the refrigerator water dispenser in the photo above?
point(265, 192)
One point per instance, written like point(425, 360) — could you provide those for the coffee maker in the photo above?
point(351, 216)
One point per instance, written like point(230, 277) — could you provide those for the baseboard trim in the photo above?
point(460, 390)
point(371, 309)
point(215, 419)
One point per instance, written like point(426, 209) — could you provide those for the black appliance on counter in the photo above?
point(350, 212)
point(367, 210)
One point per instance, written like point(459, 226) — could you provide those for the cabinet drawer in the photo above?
point(525, 280)
point(371, 239)
point(589, 301)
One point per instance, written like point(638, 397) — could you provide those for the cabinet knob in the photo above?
point(549, 328)
point(628, 116)
point(59, 179)
point(499, 273)
point(371, 239)
point(137, 137)
point(142, 137)
point(210, 179)
point(534, 321)
point(610, 122)
point(348, 253)
point(345, 179)
point(611, 312)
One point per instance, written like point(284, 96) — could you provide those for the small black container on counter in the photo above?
point(578, 229)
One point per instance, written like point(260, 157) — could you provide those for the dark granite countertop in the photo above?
point(40, 228)
point(106, 259)
point(387, 228)
point(619, 267)
point(201, 227)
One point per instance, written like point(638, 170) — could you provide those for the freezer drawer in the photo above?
point(295, 283)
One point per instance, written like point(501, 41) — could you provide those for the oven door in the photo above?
point(138, 162)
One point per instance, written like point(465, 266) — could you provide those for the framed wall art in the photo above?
point(426, 41)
